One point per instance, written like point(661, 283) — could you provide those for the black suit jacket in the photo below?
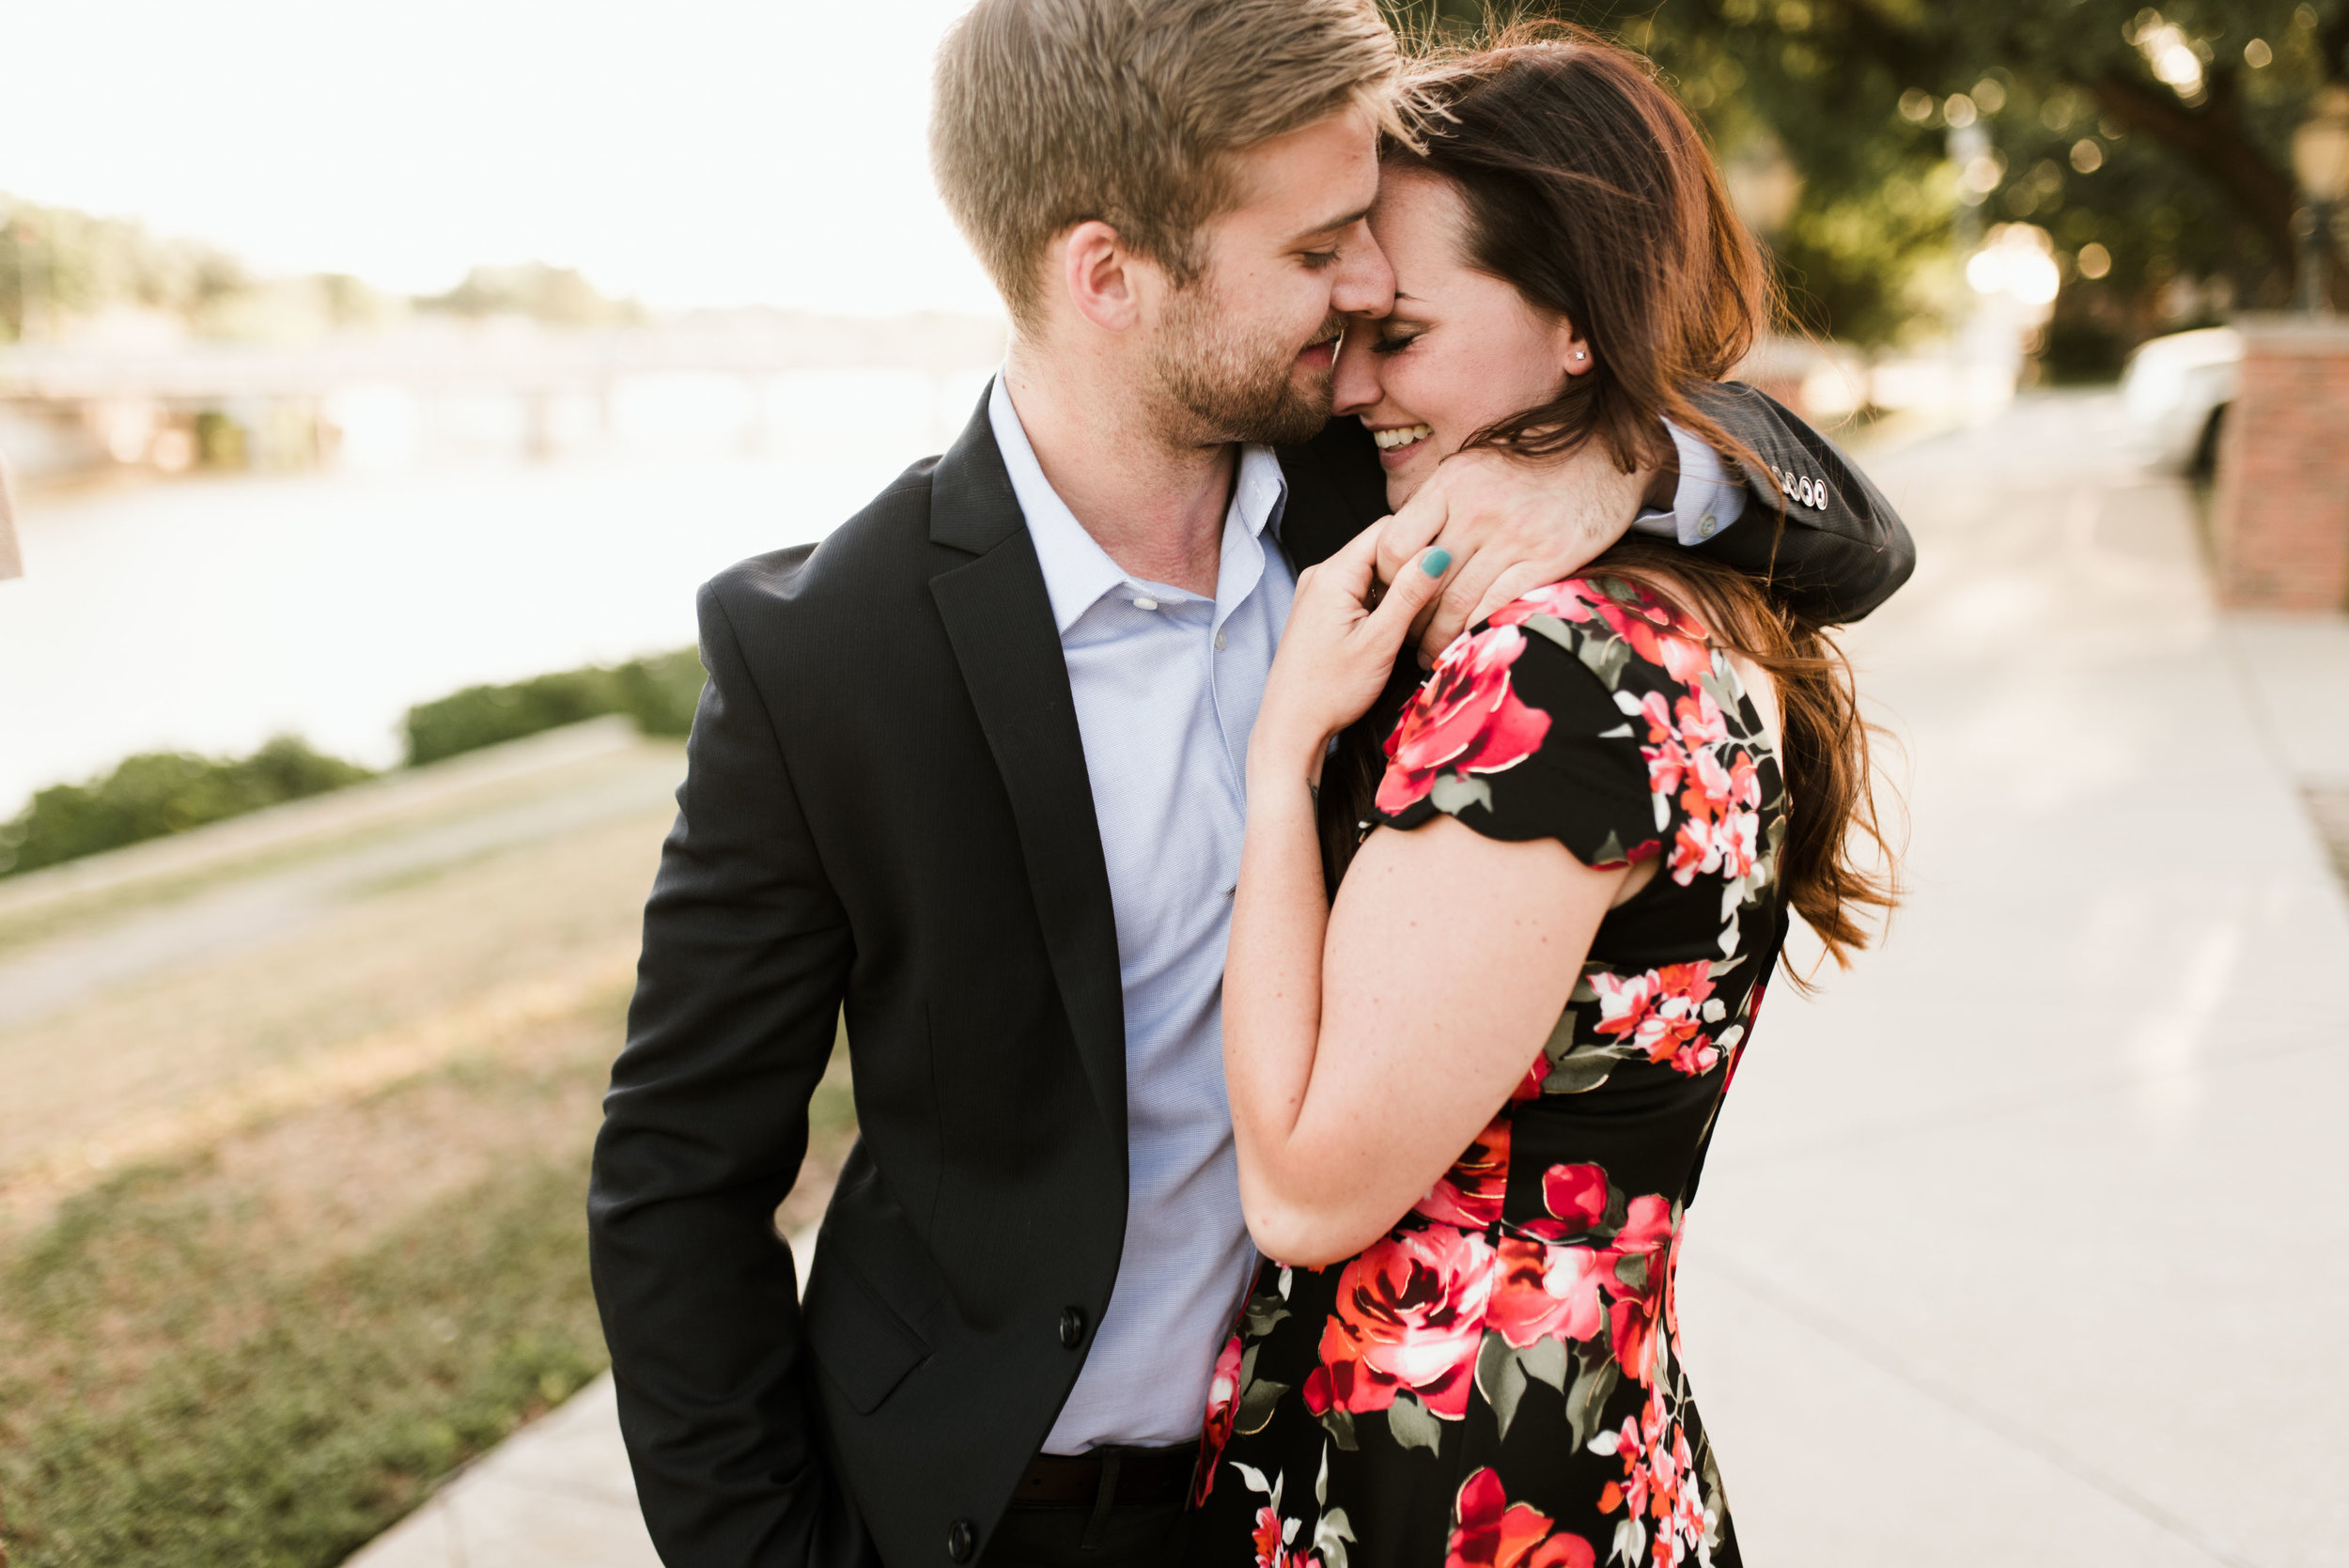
point(886, 808)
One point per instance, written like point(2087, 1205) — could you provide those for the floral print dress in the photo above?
point(1498, 1380)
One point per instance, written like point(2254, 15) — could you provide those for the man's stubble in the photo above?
point(1223, 384)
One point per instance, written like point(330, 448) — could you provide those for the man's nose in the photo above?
point(1365, 283)
point(1354, 380)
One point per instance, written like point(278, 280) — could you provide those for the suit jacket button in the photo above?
point(1072, 1326)
point(962, 1539)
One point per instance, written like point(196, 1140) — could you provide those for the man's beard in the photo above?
point(1222, 385)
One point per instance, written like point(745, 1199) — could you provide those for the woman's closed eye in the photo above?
point(1394, 344)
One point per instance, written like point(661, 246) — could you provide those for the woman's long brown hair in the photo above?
point(1590, 191)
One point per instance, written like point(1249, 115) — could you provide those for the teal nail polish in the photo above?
point(1435, 561)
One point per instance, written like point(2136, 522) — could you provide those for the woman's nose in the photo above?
point(1354, 380)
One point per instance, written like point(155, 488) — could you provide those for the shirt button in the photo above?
point(1705, 526)
point(1146, 604)
point(962, 1540)
point(1072, 1326)
point(1218, 640)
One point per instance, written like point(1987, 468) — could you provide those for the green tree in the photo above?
point(2152, 144)
point(560, 296)
point(56, 263)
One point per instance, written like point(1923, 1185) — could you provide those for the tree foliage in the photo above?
point(58, 266)
point(2160, 137)
point(560, 296)
point(56, 262)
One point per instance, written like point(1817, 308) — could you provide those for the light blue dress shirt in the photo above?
point(1167, 685)
point(1707, 500)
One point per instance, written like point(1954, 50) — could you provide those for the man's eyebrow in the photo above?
point(1332, 226)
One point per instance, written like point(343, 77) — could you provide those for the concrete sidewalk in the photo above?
point(555, 1495)
point(2020, 1244)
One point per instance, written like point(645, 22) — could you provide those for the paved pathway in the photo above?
point(331, 845)
point(2022, 1244)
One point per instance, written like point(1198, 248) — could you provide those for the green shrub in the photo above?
point(662, 692)
point(484, 715)
point(658, 692)
point(163, 792)
point(168, 792)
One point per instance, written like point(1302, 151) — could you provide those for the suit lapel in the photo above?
point(999, 620)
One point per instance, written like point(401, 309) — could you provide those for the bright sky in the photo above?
point(691, 153)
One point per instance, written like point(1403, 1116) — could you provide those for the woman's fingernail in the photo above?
point(1435, 561)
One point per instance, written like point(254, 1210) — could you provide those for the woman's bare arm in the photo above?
point(1364, 1048)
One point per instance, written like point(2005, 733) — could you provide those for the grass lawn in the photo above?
point(267, 1338)
point(266, 1353)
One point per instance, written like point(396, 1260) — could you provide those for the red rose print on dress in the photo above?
point(1547, 1291)
point(1720, 836)
point(1222, 1413)
point(1657, 632)
point(1267, 1538)
point(1490, 1532)
point(1469, 1194)
point(1639, 1271)
point(1465, 719)
point(1410, 1314)
point(1699, 718)
point(1661, 1013)
point(1576, 1195)
point(1659, 1487)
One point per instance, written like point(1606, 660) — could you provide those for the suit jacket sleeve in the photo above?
point(1830, 565)
point(745, 958)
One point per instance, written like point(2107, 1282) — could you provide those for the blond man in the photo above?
point(970, 771)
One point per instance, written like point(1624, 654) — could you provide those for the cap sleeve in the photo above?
point(1531, 726)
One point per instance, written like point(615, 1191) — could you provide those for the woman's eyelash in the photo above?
point(1393, 345)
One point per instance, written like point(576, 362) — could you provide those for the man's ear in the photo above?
point(1101, 276)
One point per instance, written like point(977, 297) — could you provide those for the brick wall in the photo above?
point(2282, 524)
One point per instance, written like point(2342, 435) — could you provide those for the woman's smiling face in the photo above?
point(1461, 350)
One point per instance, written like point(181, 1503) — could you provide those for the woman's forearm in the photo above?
point(1272, 977)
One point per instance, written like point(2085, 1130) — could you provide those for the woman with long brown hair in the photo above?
point(1526, 908)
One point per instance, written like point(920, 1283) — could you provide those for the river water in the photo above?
point(209, 613)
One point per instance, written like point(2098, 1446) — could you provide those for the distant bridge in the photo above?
point(517, 357)
point(66, 407)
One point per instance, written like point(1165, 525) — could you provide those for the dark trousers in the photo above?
point(1102, 1533)
point(1126, 1535)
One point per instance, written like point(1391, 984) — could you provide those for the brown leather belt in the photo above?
point(1107, 1476)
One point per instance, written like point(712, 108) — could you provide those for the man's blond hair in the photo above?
point(1051, 113)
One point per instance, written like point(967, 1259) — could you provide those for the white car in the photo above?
point(2177, 390)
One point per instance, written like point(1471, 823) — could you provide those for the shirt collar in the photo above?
point(1077, 571)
